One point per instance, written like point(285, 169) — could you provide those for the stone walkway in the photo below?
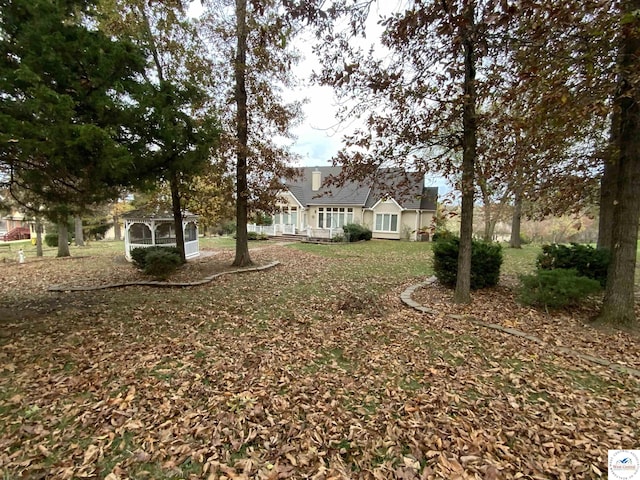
point(56, 288)
point(407, 299)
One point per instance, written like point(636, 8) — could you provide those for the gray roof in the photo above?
point(406, 188)
point(351, 193)
point(156, 213)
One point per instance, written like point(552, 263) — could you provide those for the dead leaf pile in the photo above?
point(303, 371)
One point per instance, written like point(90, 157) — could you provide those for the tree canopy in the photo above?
point(66, 90)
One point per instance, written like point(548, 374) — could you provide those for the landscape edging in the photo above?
point(57, 288)
point(406, 297)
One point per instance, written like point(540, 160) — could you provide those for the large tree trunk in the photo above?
point(514, 241)
point(63, 239)
point(462, 292)
point(608, 184)
point(177, 215)
point(78, 231)
point(618, 304)
point(242, 244)
point(39, 252)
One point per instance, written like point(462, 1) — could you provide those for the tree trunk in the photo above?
point(514, 241)
point(177, 215)
point(462, 292)
point(117, 233)
point(486, 210)
point(63, 239)
point(39, 252)
point(618, 303)
point(608, 184)
point(242, 244)
point(78, 230)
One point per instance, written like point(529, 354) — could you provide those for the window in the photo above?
point(140, 233)
point(165, 234)
point(386, 222)
point(190, 232)
point(334, 217)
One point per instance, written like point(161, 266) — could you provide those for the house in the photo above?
point(394, 205)
point(16, 226)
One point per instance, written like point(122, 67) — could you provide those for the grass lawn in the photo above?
point(313, 369)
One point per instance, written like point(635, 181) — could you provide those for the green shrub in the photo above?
point(252, 235)
point(556, 288)
point(161, 263)
point(51, 239)
point(338, 238)
point(139, 255)
point(355, 232)
point(227, 228)
point(587, 261)
point(486, 260)
point(442, 235)
point(263, 236)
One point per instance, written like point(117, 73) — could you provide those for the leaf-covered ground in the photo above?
point(313, 369)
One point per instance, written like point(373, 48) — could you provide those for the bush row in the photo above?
point(565, 275)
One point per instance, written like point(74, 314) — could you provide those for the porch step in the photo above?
point(289, 237)
point(17, 233)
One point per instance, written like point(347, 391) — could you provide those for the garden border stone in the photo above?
point(196, 283)
point(407, 298)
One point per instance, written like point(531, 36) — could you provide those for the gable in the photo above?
point(387, 205)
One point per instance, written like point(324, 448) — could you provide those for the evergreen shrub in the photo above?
point(355, 232)
point(486, 260)
point(139, 255)
point(442, 235)
point(51, 239)
point(556, 288)
point(587, 261)
point(161, 263)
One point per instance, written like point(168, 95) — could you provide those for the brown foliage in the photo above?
point(297, 372)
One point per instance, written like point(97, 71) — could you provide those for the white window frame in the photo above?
point(379, 222)
point(334, 217)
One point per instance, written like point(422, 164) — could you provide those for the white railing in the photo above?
point(191, 249)
point(323, 232)
point(271, 230)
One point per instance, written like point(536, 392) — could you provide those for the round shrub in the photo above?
point(51, 239)
point(486, 260)
point(556, 288)
point(139, 255)
point(161, 263)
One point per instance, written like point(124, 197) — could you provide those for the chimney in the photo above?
point(316, 180)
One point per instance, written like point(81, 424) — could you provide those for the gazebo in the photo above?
point(147, 227)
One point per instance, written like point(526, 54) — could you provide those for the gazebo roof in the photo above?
point(157, 214)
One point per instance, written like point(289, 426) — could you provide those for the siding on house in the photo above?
point(394, 205)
